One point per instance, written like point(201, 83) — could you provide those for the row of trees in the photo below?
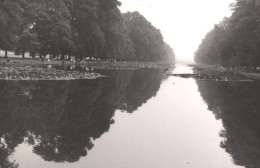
point(235, 40)
point(92, 28)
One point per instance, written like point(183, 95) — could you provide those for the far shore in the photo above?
point(36, 69)
point(201, 72)
point(94, 63)
point(252, 73)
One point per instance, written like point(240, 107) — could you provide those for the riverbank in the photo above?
point(35, 69)
point(97, 64)
point(218, 73)
point(43, 73)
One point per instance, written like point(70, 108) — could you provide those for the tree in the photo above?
point(84, 28)
point(238, 42)
point(147, 40)
point(87, 34)
point(46, 26)
point(27, 42)
point(10, 20)
point(213, 46)
point(53, 28)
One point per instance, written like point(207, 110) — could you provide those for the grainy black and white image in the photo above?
point(129, 84)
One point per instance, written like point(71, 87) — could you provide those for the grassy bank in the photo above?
point(36, 69)
point(227, 73)
point(96, 64)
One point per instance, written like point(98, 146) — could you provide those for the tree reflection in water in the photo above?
point(60, 119)
point(237, 104)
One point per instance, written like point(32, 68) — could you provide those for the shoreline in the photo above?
point(34, 69)
point(37, 62)
point(25, 73)
point(221, 74)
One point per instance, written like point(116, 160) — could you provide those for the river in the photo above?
point(130, 119)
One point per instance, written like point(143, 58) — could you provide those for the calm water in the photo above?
point(132, 119)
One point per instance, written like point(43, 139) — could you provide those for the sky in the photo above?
point(183, 23)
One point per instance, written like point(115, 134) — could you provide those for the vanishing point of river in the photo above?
point(131, 119)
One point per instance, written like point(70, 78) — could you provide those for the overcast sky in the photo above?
point(183, 23)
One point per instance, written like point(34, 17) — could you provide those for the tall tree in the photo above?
point(88, 37)
point(236, 42)
point(27, 42)
point(110, 21)
point(53, 28)
point(148, 40)
point(84, 28)
point(10, 20)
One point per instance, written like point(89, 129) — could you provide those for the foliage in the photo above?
point(235, 40)
point(83, 28)
point(148, 41)
point(27, 42)
point(10, 19)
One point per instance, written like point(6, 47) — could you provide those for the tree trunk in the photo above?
point(69, 58)
point(23, 55)
point(62, 57)
point(33, 55)
point(5, 53)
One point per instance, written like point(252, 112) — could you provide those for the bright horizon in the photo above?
point(182, 23)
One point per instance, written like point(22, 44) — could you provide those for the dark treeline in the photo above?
point(237, 106)
point(81, 28)
point(61, 119)
point(235, 40)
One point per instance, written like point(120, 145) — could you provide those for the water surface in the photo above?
point(132, 119)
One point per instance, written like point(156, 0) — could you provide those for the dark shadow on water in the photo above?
point(60, 119)
point(237, 105)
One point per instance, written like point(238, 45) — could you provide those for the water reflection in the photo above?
point(60, 119)
point(237, 104)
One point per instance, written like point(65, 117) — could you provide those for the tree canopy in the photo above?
point(147, 40)
point(10, 20)
point(83, 28)
point(235, 40)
